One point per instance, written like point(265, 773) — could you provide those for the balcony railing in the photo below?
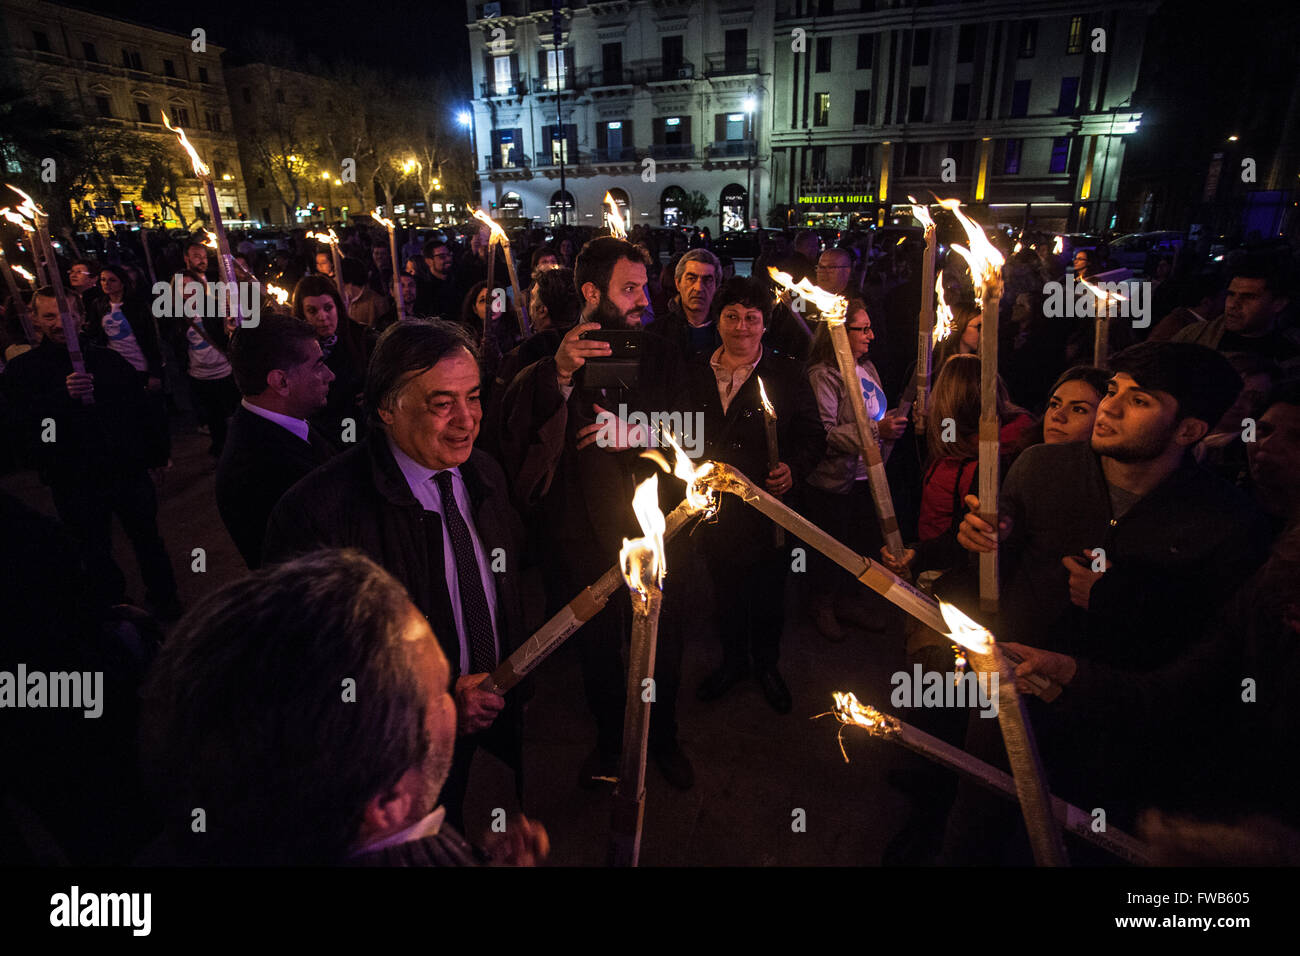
point(567, 83)
point(623, 76)
point(657, 71)
point(853, 180)
point(619, 154)
point(672, 151)
point(723, 64)
point(517, 86)
point(515, 160)
point(731, 147)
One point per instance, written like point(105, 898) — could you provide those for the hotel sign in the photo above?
point(844, 199)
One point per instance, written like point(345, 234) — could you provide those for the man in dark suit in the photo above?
point(281, 372)
point(747, 565)
point(420, 500)
point(579, 488)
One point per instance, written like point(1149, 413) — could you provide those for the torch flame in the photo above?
point(279, 295)
point(497, 233)
point(617, 227)
point(211, 241)
point(965, 631)
point(1058, 245)
point(1102, 295)
point(831, 306)
point(24, 273)
point(983, 257)
point(767, 406)
point(330, 239)
point(18, 219)
point(851, 712)
point(642, 559)
point(28, 207)
point(922, 213)
point(200, 167)
point(386, 223)
point(944, 323)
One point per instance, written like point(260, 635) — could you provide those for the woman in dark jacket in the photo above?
point(317, 302)
point(746, 557)
point(121, 319)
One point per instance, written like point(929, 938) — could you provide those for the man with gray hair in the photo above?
point(343, 735)
point(419, 499)
point(689, 323)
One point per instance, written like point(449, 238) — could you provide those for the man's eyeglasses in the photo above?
point(857, 328)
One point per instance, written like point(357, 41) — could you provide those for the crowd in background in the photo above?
point(1180, 459)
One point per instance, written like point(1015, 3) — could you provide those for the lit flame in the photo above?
point(642, 559)
point(700, 497)
point(211, 241)
point(1018, 247)
point(944, 323)
point(982, 256)
point(617, 227)
point(965, 631)
point(200, 167)
point(18, 219)
point(1102, 295)
point(330, 239)
point(497, 233)
point(851, 712)
point(28, 207)
point(386, 223)
point(831, 306)
point(1058, 245)
point(23, 272)
point(922, 213)
point(279, 295)
point(767, 406)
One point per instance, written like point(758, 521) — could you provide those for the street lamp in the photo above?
point(749, 106)
point(329, 196)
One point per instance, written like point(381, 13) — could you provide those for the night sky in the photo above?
point(410, 36)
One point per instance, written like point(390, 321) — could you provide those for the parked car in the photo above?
point(1139, 250)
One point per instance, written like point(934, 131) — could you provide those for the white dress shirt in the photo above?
point(420, 480)
point(297, 426)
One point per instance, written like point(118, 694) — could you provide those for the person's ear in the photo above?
point(386, 416)
point(386, 813)
point(1190, 431)
point(278, 381)
point(590, 293)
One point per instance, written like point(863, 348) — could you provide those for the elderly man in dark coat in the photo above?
point(419, 499)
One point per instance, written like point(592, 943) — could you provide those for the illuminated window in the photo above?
point(822, 110)
point(1074, 42)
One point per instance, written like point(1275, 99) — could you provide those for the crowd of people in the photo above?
point(394, 474)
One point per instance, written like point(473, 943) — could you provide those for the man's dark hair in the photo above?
point(596, 259)
point(749, 292)
point(555, 289)
point(277, 342)
point(1098, 378)
point(354, 272)
point(244, 712)
point(409, 347)
point(1254, 265)
point(195, 243)
point(538, 253)
point(1201, 380)
point(431, 246)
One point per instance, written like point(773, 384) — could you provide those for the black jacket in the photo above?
point(739, 437)
point(261, 461)
point(143, 325)
point(584, 498)
point(360, 499)
point(673, 327)
point(116, 436)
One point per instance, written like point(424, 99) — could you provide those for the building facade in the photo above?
point(1020, 107)
point(115, 76)
point(648, 101)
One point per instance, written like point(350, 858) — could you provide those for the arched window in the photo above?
point(563, 208)
point(670, 206)
point(734, 208)
point(512, 206)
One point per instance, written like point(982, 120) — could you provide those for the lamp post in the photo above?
point(749, 173)
point(329, 197)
